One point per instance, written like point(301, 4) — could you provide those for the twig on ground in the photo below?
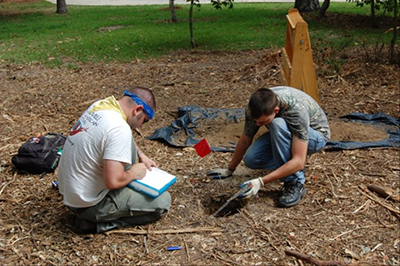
point(363, 227)
point(378, 201)
point(225, 259)
point(385, 192)
point(147, 238)
point(332, 189)
point(146, 249)
point(310, 259)
point(257, 226)
point(362, 206)
point(168, 231)
point(187, 250)
point(247, 250)
point(4, 186)
point(19, 255)
point(372, 174)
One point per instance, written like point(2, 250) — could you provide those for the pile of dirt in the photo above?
point(356, 131)
point(340, 218)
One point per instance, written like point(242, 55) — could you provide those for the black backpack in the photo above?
point(40, 155)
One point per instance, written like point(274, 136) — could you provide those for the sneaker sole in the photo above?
point(294, 202)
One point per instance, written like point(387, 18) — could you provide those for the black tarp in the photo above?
point(190, 117)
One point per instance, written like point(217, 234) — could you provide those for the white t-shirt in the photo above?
point(100, 133)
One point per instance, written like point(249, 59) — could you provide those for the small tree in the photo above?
point(387, 6)
point(192, 4)
point(174, 18)
point(218, 4)
point(396, 28)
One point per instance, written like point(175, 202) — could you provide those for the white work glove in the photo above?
point(256, 184)
point(220, 173)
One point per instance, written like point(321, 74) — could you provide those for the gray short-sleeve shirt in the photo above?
point(300, 112)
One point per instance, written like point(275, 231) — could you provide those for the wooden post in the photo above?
point(297, 64)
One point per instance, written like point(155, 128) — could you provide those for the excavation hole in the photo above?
point(214, 202)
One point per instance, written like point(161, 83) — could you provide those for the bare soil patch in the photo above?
point(339, 219)
point(225, 133)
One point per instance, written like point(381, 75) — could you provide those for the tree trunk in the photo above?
point(191, 24)
point(324, 7)
point(61, 7)
point(373, 17)
point(306, 5)
point(174, 18)
point(392, 55)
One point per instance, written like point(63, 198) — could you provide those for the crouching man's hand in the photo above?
point(220, 173)
point(256, 184)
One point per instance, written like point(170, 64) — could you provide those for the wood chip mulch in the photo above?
point(342, 220)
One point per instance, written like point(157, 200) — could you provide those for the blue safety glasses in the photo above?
point(146, 108)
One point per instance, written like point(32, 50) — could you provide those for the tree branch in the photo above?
point(169, 231)
point(306, 258)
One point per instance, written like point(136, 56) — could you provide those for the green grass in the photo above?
point(35, 33)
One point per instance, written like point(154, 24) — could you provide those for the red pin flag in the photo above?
point(202, 148)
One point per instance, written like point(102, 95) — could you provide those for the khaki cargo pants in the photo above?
point(120, 208)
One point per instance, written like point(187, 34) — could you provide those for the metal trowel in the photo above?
point(241, 191)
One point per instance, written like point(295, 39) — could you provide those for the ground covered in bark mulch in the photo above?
point(340, 219)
